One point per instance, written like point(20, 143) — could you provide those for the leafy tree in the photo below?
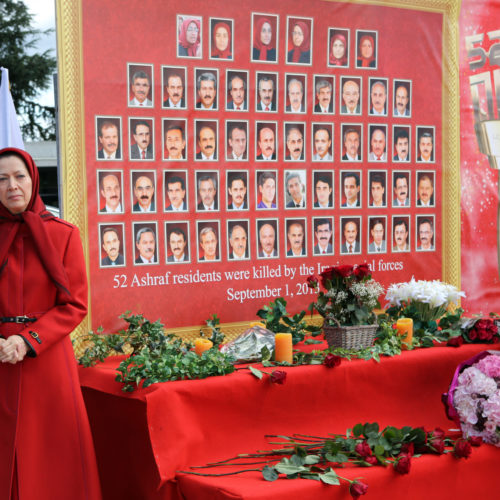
point(29, 72)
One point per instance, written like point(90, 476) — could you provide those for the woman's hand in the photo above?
point(12, 350)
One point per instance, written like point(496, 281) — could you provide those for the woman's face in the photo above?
point(15, 184)
point(266, 34)
point(338, 49)
point(297, 36)
point(221, 38)
point(192, 33)
point(366, 49)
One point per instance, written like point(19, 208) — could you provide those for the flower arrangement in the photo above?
point(473, 399)
point(477, 330)
point(349, 297)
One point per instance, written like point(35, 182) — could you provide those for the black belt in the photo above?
point(16, 319)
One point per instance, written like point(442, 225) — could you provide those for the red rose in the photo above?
point(438, 433)
point(436, 445)
point(362, 271)
point(312, 281)
point(372, 460)
point(473, 334)
point(462, 448)
point(343, 271)
point(475, 440)
point(331, 361)
point(485, 329)
point(363, 449)
point(357, 489)
point(408, 448)
point(455, 341)
point(402, 464)
point(327, 274)
point(278, 377)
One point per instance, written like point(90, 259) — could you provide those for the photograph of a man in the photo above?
point(351, 186)
point(209, 242)
point(295, 191)
point(377, 189)
point(111, 193)
point(351, 92)
point(108, 139)
point(144, 192)
point(401, 189)
point(206, 141)
point(237, 190)
point(173, 95)
point(141, 147)
point(350, 236)
point(400, 239)
point(267, 244)
point(425, 189)
point(110, 237)
point(177, 244)
point(377, 235)
point(206, 88)
point(207, 191)
point(237, 91)
point(425, 227)
point(324, 94)
point(295, 95)
point(352, 143)
point(266, 141)
point(145, 243)
point(323, 189)
point(175, 140)
point(323, 235)
point(294, 138)
point(378, 97)
point(296, 238)
point(238, 240)
point(140, 88)
point(266, 96)
point(378, 134)
point(176, 192)
point(322, 142)
point(266, 182)
point(401, 144)
point(425, 145)
point(401, 99)
point(236, 132)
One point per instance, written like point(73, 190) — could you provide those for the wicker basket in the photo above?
point(350, 337)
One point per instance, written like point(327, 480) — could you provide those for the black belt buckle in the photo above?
point(17, 319)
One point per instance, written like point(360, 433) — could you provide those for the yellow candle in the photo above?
point(405, 329)
point(283, 347)
point(202, 345)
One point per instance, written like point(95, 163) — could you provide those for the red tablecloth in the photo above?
point(152, 433)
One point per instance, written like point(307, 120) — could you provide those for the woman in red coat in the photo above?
point(46, 449)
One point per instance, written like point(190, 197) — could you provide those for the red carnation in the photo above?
point(408, 448)
point(312, 281)
point(455, 341)
point(357, 489)
point(476, 440)
point(362, 271)
point(331, 361)
point(402, 464)
point(462, 448)
point(278, 377)
point(343, 271)
point(363, 449)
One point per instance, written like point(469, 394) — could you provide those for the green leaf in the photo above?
point(312, 459)
point(288, 468)
point(269, 473)
point(357, 430)
point(312, 341)
point(330, 477)
point(256, 372)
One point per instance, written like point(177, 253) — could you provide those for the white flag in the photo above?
point(10, 133)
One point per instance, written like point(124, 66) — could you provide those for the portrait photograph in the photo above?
point(377, 143)
point(401, 188)
point(143, 191)
point(323, 189)
point(351, 137)
point(425, 238)
point(366, 49)
point(206, 140)
point(401, 142)
point(206, 89)
point(338, 48)
point(221, 39)
point(264, 42)
point(401, 233)
point(377, 234)
point(141, 139)
point(295, 141)
point(237, 140)
point(425, 188)
point(177, 242)
point(140, 85)
point(324, 94)
point(350, 95)
point(265, 144)
point(174, 87)
point(108, 138)
point(266, 92)
point(112, 245)
point(174, 135)
point(379, 96)
point(322, 235)
point(145, 243)
point(350, 189)
point(322, 142)
point(237, 189)
point(377, 189)
point(207, 191)
point(175, 196)
point(425, 144)
point(296, 237)
point(295, 93)
point(237, 86)
point(267, 239)
point(299, 40)
point(402, 98)
point(110, 191)
point(238, 239)
point(266, 195)
point(295, 189)
point(189, 36)
point(350, 235)
point(208, 241)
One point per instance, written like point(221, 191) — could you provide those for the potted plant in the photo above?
point(347, 299)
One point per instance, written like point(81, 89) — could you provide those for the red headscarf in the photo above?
point(226, 53)
point(34, 217)
point(192, 48)
point(333, 59)
point(306, 42)
point(366, 60)
point(257, 42)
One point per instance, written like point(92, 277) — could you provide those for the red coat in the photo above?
point(43, 422)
